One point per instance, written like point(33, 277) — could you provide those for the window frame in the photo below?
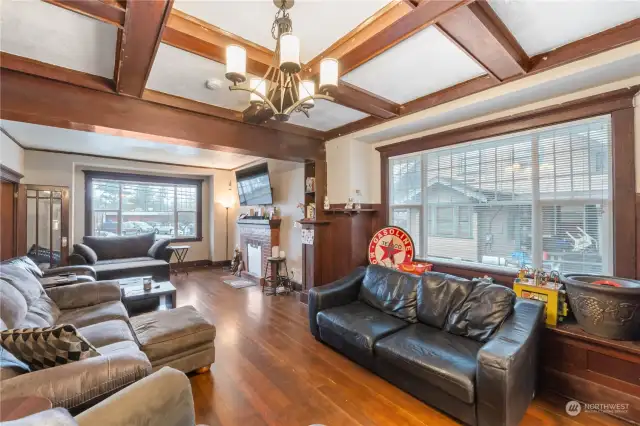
point(618, 104)
point(90, 175)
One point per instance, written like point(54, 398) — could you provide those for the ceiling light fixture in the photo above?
point(281, 89)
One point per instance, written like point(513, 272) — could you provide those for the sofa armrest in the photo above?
point(76, 269)
point(166, 397)
point(79, 295)
point(508, 366)
point(340, 292)
point(166, 254)
point(77, 259)
point(80, 383)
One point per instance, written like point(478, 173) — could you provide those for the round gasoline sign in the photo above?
point(390, 246)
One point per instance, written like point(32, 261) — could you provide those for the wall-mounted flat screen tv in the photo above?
point(254, 187)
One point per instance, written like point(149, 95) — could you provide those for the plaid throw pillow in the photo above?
point(47, 347)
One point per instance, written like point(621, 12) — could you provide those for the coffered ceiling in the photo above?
point(397, 57)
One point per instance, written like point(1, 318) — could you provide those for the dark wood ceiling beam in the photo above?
point(359, 99)
point(363, 32)
point(601, 42)
point(103, 11)
point(38, 100)
point(53, 72)
point(143, 28)
point(201, 38)
point(426, 13)
point(478, 31)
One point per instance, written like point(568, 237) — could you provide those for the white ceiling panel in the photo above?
point(422, 64)
point(318, 24)
point(79, 142)
point(180, 73)
point(541, 26)
point(50, 34)
point(597, 76)
point(326, 115)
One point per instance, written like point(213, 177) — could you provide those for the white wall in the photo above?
point(11, 154)
point(67, 170)
point(287, 181)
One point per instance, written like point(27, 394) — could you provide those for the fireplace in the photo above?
point(257, 236)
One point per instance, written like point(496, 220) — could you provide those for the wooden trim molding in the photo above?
point(604, 103)
point(7, 174)
point(624, 194)
point(90, 175)
point(618, 103)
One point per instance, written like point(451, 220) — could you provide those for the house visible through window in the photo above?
point(124, 206)
point(539, 198)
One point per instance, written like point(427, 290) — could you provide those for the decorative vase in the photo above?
point(605, 306)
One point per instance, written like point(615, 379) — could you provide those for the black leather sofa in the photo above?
point(468, 348)
point(123, 257)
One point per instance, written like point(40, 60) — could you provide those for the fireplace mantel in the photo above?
point(271, 223)
point(261, 232)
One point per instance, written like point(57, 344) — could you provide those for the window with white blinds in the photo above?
point(540, 198)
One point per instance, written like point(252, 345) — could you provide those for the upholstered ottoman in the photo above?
point(180, 338)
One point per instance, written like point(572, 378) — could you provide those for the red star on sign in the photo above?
point(389, 252)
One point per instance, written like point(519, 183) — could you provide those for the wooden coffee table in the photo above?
point(162, 296)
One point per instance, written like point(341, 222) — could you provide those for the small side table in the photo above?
point(17, 408)
point(275, 280)
point(181, 254)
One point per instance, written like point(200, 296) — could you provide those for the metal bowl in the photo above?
point(604, 310)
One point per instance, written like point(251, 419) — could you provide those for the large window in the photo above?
point(131, 205)
point(540, 198)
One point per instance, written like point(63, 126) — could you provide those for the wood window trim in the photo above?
point(90, 175)
point(618, 104)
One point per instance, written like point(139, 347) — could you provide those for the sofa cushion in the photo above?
point(41, 311)
point(440, 294)
point(165, 333)
point(123, 268)
point(13, 306)
point(358, 324)
point(444, 360)
point(390, 291)
point(106, 333)
point(483, 312)
point(25, 262)
point(157, 249)
point(87, 252)
point(94, 314)
point(120, 247)
point(47, 347)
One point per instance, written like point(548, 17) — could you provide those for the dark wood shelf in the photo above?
point(313, 222)
point(349, 211)
point(573, 330)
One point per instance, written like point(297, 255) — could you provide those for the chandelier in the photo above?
point(281, 89)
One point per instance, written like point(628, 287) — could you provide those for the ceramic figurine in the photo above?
point(327, 206)
point(349, 205)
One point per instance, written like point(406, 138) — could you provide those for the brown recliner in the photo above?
point(96, 310)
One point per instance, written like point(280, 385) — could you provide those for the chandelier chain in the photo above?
point(280, 14)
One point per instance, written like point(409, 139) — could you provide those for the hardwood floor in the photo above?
point(269, 370)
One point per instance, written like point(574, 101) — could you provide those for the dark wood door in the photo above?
point(7, 221)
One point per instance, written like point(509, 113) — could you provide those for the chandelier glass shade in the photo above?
point(281, 89)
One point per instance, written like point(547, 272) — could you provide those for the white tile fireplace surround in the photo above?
point(257, 236)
